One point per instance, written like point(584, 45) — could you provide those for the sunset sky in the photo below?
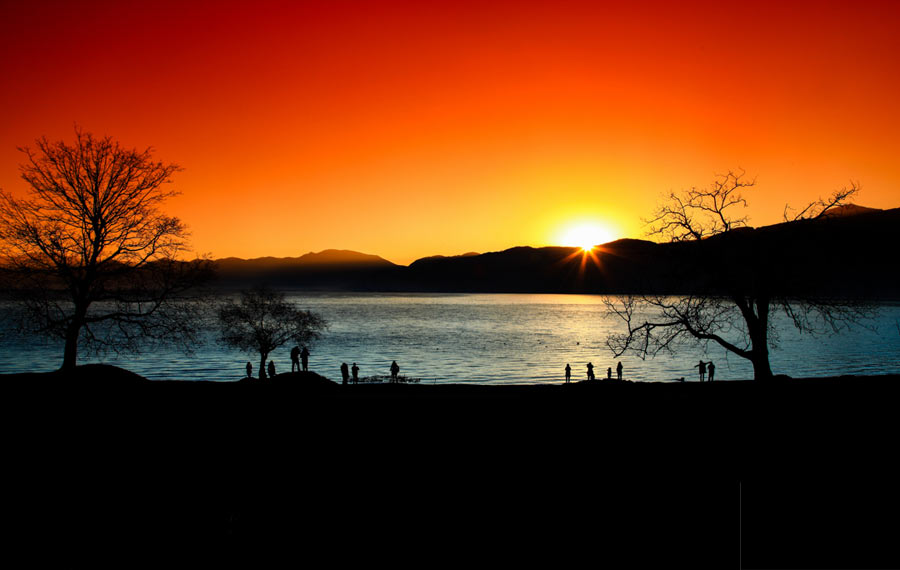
point(407, 129)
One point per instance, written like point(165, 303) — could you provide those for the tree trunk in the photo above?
point(70, 353)
point(759, 339)
point(73, 331)
point(761, 368)
point(262, 365)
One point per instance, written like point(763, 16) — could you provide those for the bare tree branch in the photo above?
point(698, 213)
point(822, 207)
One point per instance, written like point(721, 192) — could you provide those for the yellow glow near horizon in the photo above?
point(586, 235)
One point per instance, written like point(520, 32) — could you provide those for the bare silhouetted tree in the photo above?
point(90, 256)
point(701, 212)
point(261, 320)
point(731, 305)
point(822, 206)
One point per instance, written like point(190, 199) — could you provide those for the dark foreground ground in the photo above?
point(110, 469)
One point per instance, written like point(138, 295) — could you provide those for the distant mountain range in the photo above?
point(329, 269)
point(849, 210)
point(329, 259)
point(852, 251)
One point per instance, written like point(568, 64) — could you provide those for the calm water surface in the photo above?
point(486, 338)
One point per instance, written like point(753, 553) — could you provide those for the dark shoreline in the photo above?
point(788, 474)
point(111, 376)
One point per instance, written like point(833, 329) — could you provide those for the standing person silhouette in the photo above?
point(609, 373)
point(702, 368)
point(249, 370)
point(619, 370)
point(395, 370)
point(271, 369)
point(345, 373)
point(355, 370)
point(568, 372)
point(590, 373)
point(295, 358)
point(304, 356)
point(712, 370)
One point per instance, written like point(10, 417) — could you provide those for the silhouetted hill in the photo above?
point(849, 253)
point(849, 210)
point(328, 269)
point(469, 254)
point(342, 257)
point(329, 258)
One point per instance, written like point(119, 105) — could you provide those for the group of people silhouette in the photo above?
point(705, 367)
point(299, 357)
point(590, 372)
point(300, 361)
point(354, 370)
point(345, 373)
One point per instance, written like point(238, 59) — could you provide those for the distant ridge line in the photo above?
point(847, 254)
point(326, 256)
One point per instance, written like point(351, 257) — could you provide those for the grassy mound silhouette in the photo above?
point(99, 375)
point(302, 380)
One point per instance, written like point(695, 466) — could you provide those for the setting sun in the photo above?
point(585, 235)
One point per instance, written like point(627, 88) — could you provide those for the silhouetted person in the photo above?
point(345, 373)
point(568, 372)
point(702, 368)
point(619, 370)
point(395, 370)
point(355, 370)
point(295, 358)
point(304, 356)
point(609, 373)
point(249, 370)
point(271, 369)
point(590, 368)
point(712, 370)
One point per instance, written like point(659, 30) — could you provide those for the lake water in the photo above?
point(487, 338)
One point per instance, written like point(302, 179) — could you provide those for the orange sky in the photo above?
point(407, 129)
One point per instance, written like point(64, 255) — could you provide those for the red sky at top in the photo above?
point(408, 129)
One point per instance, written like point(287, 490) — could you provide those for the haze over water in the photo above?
point(486, 338)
